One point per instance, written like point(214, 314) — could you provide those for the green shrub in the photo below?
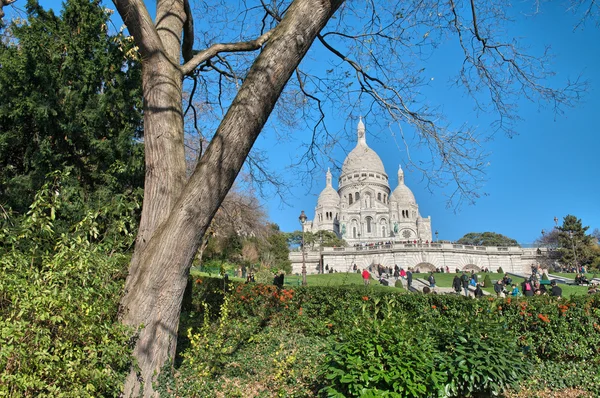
point(500, 270)
point(545, 277)
point(58, 307)
point(481, 357)
point(498, 339)
point(487, 281)
point(377, 359)
point(398, 284)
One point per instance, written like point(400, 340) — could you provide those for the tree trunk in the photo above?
point(160, 267)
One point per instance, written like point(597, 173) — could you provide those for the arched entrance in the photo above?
point(471, 267)
point(424, 267)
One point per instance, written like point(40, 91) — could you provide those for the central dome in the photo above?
point(362, 158)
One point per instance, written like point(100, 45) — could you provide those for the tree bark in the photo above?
point(160, 267)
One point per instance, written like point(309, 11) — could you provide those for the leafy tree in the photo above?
point(177, 210)
point(575, 246)
point(69, 97)
point(486, 239)
point(279, 249)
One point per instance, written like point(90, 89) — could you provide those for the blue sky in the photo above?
point(549, 169)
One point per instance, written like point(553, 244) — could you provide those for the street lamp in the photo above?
point(556, 221)
point(321, 250)
point(436, 237)
point(302, 219)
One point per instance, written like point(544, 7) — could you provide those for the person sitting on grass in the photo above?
point(499, 288)
point(555, 291)
point(478, 291)
point(515, 291)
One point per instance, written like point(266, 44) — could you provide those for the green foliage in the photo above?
point(59, 296)
point(279, 249)
point(481, 357)
point(486, 239)
point(70, 94)
point(487, 281)
point(313, 239)
point(500, 270)
point(576, 248)
point(545, 277)
point(398, 283)
point(379, 359)
point(368, 342)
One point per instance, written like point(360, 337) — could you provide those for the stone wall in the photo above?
point(424, 257)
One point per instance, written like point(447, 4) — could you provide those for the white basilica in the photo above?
point(363, 210)
point(385, 227)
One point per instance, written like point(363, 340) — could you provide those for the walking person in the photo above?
point(464, 279)
point(456, 285)
point(431, 280)
point(366, 276)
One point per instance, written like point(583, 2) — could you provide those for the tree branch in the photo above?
point(140, 25)
point(215, 49)
point(187, 47)
point(4, 3)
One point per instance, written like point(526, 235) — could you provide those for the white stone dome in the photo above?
point(329, 196)
point(362, 158)
point(402, 194)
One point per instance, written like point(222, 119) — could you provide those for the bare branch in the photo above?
point(215, 49)
point(4, 3)
point(187, 46)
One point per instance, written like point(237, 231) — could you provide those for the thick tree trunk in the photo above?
point(155, 288)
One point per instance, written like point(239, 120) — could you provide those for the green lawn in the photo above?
point(572, 275)
point(442, 280)
point(335, 279)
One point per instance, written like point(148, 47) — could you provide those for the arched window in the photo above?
point(369, 219)
point(350, 199)
point(379, 196)
point(383, 231)
point(354, 232)
point(356, 197)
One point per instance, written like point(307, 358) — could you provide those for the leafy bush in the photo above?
point(377, 359)
point(481, 357)
point(59, 296)
point(398, 283)
point(487, 282)
point(477, 347)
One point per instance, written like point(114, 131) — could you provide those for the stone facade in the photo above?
point(363, 209)
point(385, 227)
point(423, 257)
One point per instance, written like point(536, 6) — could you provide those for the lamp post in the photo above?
point(302, 219)
point(321, 251)
point(556, 221)
point(436, 237)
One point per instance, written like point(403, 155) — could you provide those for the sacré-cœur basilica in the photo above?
point(385, 227)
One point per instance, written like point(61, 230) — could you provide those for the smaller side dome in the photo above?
point(329, 196)
point(402, 193)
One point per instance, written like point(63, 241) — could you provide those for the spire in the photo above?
point(400, 175)
point(328, 177)
point(361, 132)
